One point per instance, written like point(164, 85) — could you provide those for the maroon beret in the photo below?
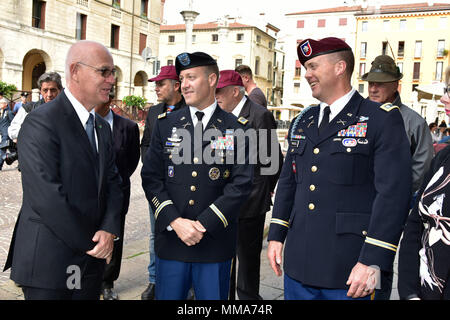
point(229, 78)
point(309, 48)
point(167, 72)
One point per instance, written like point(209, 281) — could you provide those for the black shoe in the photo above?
point(191, 294)
point(10, 158)
point(149, 293)
point(109, 294)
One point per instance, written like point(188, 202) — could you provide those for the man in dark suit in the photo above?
point(126, 149)
point(72, 198)
point(167, 88)
point(196, 201)
point(230, 95)
point(344, 190)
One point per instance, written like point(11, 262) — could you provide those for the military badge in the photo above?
point(174, 137)
point(359, 131)
point(349, 142)
point(363, 141)
point(226, 174)
point(162, 115)
point(184, 59)
point(214, 173)
point(388, 107)
point(306, 49)
point(242, 120)
point(170, 171)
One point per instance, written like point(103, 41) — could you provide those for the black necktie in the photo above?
point(325, 119)
point(199, 115)
point(90, 132)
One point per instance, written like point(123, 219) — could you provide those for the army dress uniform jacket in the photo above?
point(343, 196)
point(209, 193)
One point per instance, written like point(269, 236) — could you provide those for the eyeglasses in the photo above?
point(105, 72)
point(447, 90)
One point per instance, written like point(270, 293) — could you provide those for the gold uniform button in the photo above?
point(364, 232)
point(195, 160)
point(191, 202)
point(311, 206)
point(194, 173)
point(313, 168)
point(193, 188)
point(316, 150)
point(349, 149)
point(312, 187)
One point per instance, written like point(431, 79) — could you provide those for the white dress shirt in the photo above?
point(237, 110)
point(208, 112)
point(81, 111)
point(336, 106)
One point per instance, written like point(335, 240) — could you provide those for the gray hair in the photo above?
point(3, 101)
point(48, 77)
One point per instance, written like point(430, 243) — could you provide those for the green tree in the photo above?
point(7, 90)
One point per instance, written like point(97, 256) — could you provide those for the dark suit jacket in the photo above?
point(64, 204)
point(126, 150)
point(152, 115)
point(210, 193)
point(259, 201)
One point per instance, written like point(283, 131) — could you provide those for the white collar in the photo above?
point(336, 106)
point(237, 110)
point(81, 111)
point(208, 112)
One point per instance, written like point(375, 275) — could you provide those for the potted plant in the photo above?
point(134, 103)
point(7, 90)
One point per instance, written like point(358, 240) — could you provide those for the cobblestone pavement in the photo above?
point(137, 222)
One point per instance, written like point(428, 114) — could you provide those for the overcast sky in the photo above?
point(211, 10)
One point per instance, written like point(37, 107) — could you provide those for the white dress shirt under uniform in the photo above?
point(336, 106)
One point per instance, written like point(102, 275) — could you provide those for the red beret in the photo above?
point(167, 72)
point(309, 48)
point(229, 78)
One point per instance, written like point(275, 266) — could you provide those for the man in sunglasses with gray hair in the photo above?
point(72, 198)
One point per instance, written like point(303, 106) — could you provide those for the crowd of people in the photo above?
point(358, 173)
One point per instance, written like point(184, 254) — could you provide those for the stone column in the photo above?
point(189, 18)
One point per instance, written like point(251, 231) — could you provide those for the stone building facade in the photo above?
point(36, 34)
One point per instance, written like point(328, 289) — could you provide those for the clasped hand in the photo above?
point(189, 231)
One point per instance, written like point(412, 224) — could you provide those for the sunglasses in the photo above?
point(105, 72)
point(447, 90)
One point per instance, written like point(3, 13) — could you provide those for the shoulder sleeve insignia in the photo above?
point(162, 115)
point(242, 120)
point(388, 107)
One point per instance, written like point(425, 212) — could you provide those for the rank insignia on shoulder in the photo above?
point(162, 115)
point(388, 107)
point(242, 120)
